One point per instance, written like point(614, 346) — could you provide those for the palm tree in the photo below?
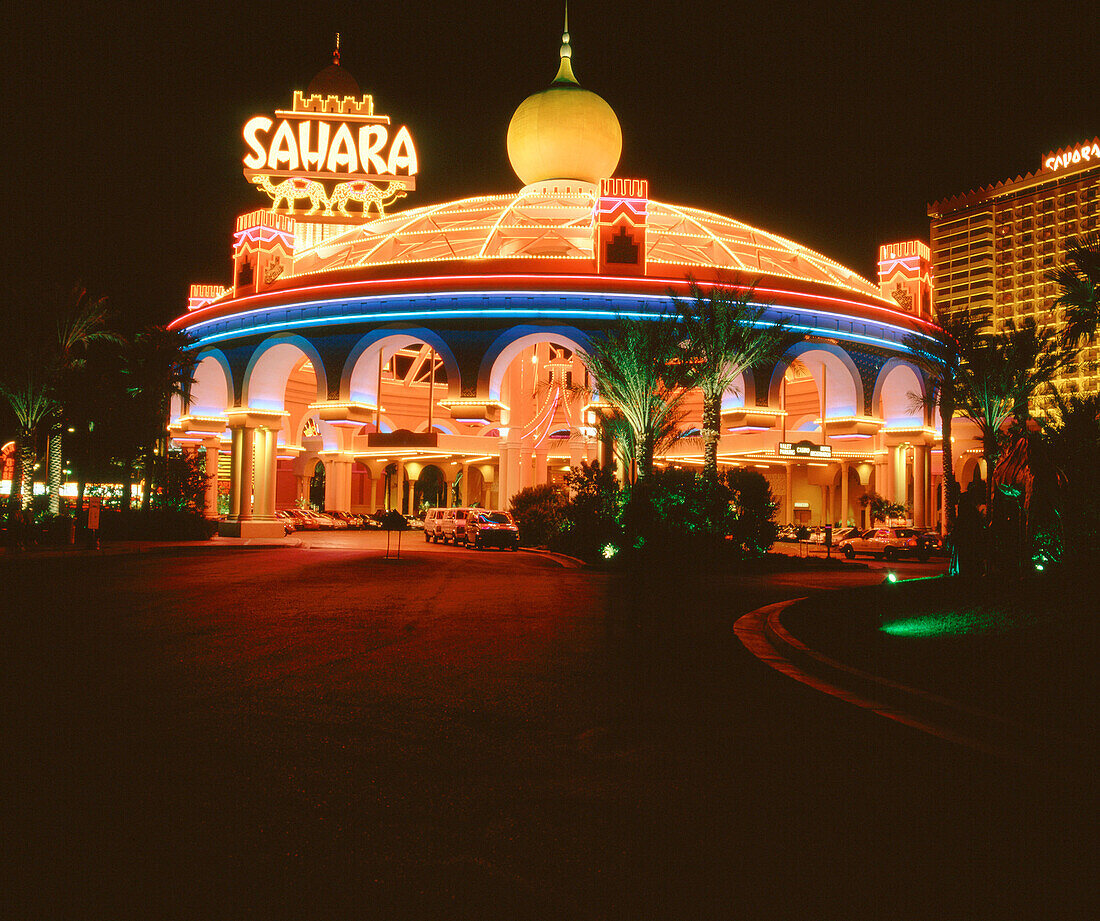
point(1079, 280)
point(158, 365)
point(26, 382)
point(634, 366)
point(941, 357)
point(80, 323)
point(999, 373)
point(30, 396)
point(726, 333)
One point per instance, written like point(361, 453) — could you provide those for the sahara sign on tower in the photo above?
point(330, 139)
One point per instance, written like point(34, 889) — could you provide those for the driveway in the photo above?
point(321, 732)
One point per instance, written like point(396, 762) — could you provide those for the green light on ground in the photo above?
point(891, 577)
point(952, 623)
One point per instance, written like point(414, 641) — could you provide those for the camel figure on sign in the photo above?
point(366, 193)
point(290, 190)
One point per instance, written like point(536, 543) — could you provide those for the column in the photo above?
point(788, 498)
point(271, 479)
point(265, 473)
point(542, 469)
point(236, 457)
point(402, 485)
point(338, 484)
point(211, 498)
point(509, 472)
point(891, 483)
point(248, 447)
point(464, 498)
point(826, 505)
point(844, 494)
point(920, 481)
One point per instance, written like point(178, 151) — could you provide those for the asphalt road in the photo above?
point(321, 732)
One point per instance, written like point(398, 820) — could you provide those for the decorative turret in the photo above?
point(565, 131)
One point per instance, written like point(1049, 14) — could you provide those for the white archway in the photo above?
point(270, 368)
point(898, 394)
point(209, 394)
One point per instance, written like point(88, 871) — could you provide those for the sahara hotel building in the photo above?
point(429, 355)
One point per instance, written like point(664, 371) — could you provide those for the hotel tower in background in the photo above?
point(992, 248)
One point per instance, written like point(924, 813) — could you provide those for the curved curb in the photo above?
point(562, 559)
point(763, 634)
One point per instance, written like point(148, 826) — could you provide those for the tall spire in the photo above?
point(336, 52)
point(565, 69)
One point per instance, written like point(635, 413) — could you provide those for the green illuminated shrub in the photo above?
point(540, 514)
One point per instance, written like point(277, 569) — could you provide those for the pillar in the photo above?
point(338, 484)
point(788, 498)
point(542, 468)
point(894, 474)
point(844, 494)
point(511, 484)
point(920, 485)
point(266, 460)
point(826, 505)
point(402, 485)
point(464, 492)
point(211, 497)
point(242, 469)
point(248, 466)
point(236, 458)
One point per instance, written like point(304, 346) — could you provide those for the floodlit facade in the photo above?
point(992, 248)
point(430, 355)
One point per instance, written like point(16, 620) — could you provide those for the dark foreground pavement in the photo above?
point(325, 734)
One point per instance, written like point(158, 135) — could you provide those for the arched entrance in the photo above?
point(430, 489)
point(317, 487)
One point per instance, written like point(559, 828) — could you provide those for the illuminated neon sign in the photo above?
point(1087, 153)
point(803, 449)
point(335, 139)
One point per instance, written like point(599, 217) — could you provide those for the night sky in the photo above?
point(831, 123)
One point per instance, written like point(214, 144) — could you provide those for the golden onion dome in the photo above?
point(565, 131)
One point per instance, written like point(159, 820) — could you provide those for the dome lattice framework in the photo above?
point(546, 223)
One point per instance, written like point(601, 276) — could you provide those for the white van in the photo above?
point(433, 524)
point(453, 525)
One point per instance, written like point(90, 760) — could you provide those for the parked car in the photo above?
point(453, 526)
point(843, 534)
point(932, 542)
point(433, 524)
point(817, 535)
point(787, 533)
point(485, 528)
point(415, 524)
point(290, 524)
point(350, 520)
point(303, 521)
point(886, 544)
point(324, 522)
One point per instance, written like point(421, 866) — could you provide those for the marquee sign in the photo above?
point(804, 449)
point(1087, 153)
point(335, 140)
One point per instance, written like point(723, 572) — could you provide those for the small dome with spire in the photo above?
point(565, 131)
point(334, 80)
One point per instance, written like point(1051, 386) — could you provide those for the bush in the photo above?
point(881, 507)
point(157, 524)
point(754, 505)
point(676, 511)
point(591, 516)
point(539, 513)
